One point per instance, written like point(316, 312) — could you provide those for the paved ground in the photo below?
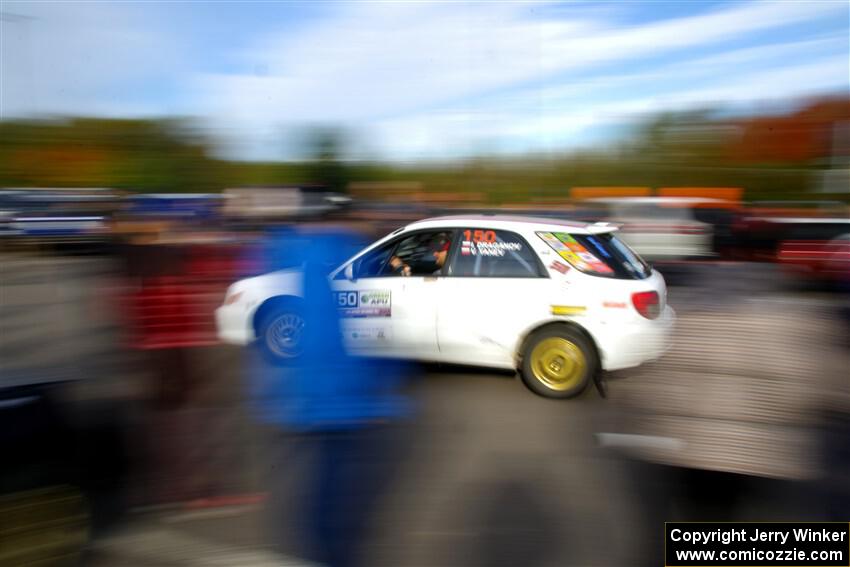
point(494, 476)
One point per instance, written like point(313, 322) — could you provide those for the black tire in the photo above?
point(558, 362)
point(274, 321)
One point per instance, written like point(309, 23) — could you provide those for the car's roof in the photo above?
point(514, 222)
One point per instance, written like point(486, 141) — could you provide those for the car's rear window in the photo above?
point(598, 254)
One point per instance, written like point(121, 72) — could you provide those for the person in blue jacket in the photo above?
point(334, 414)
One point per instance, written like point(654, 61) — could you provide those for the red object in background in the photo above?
point(177, 308)
point(175, 311)
point(825, 260)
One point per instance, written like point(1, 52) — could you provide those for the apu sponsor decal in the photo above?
point(614, 304)
point(372, 303)
point(375, 298)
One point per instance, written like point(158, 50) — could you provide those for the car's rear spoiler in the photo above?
point(603, 227)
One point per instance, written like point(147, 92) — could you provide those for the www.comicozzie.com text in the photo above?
point(743, 534)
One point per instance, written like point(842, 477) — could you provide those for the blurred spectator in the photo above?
point(330, 415)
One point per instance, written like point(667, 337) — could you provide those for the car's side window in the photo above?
point(418, 254)
point(493, 253)
point(373, 264)
point(421, 254)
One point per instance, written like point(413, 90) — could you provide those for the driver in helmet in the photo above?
point(431, 262)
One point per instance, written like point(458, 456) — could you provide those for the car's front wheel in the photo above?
point(280, 331)
point(558, 362)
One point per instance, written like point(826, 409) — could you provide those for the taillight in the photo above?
point(647, 304)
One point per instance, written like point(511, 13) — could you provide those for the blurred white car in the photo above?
point(661, 228)
point(557, 301)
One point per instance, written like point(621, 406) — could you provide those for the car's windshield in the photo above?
point(598, 254)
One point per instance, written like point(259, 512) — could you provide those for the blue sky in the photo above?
point(416, 80)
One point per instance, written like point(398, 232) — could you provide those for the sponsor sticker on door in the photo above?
point(371, 303)
point(371, 334)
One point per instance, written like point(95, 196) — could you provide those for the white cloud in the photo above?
point(80, 58)
point(550, 120)
point(800, 80)
point(724, 72)
point(376, 59)
point(410, 70)
point(417, 79)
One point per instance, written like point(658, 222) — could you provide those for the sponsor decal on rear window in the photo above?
point(575, 253)
point(550, 239)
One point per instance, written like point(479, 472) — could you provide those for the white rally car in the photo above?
point(556, 300)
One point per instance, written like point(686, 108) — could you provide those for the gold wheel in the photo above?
point(558, 363)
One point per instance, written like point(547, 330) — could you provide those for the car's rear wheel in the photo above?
point(558, 362)
point(280, 331)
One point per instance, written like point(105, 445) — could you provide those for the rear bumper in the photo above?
point(631, 345)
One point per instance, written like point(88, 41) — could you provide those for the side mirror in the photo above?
point(349, 272)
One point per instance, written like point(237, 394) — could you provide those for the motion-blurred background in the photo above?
point(146, 149)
